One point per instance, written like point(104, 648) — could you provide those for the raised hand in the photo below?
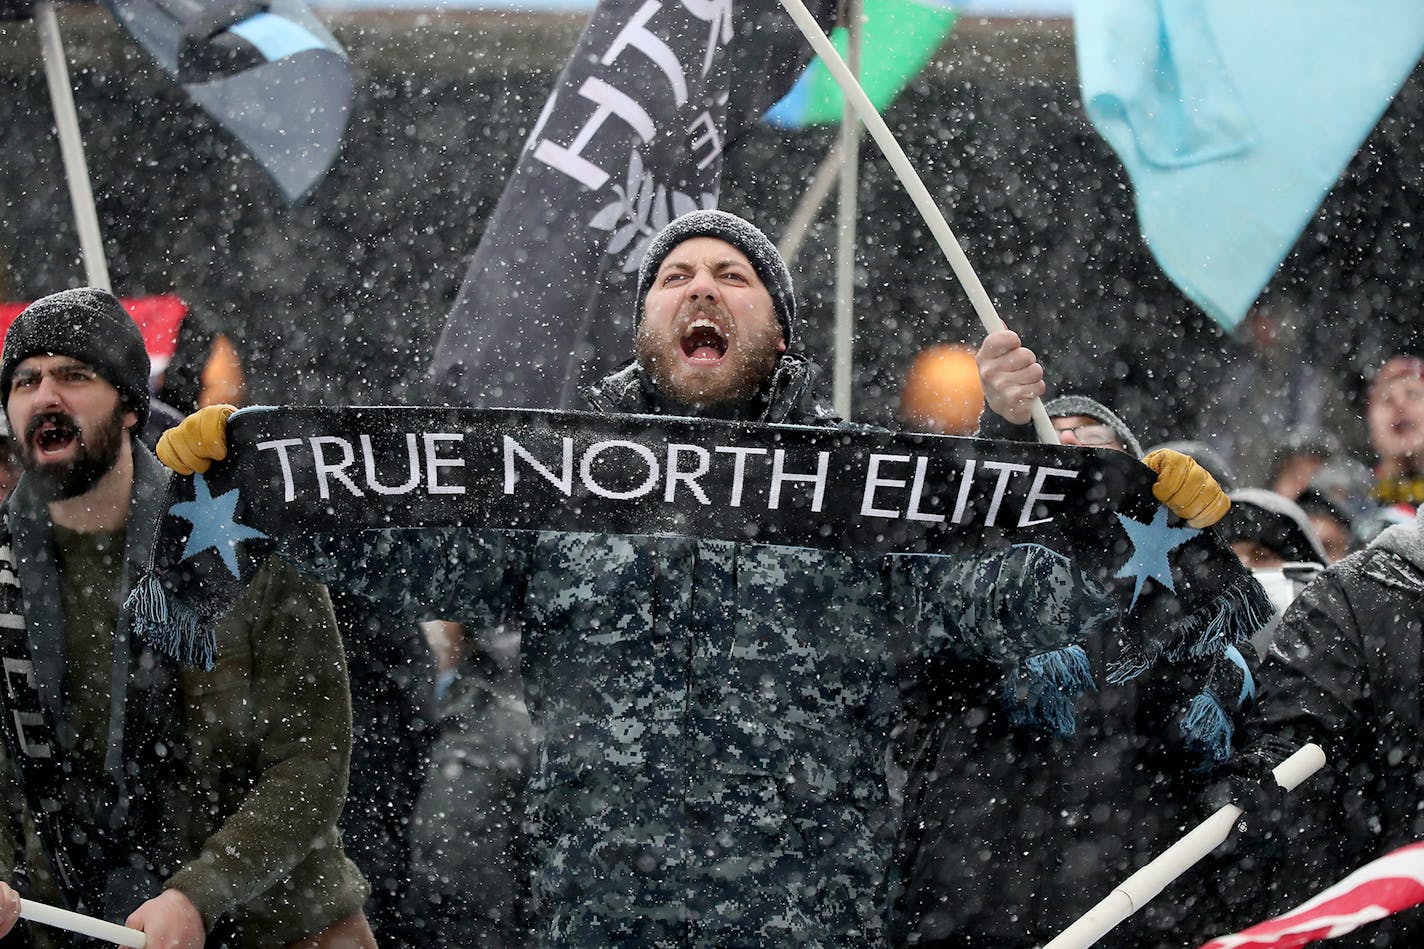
point(1011, 376)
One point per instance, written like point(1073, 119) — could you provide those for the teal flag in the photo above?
point(1234, 120)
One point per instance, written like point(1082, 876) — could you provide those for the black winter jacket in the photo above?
point(1345, 672)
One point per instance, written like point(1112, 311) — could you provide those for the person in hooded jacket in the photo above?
point(195, 795)
point(714, 715)
point(1344, 672)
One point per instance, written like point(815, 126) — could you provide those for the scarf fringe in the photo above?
point(170, 626)
point(1240, 611)
point(1041, 691)
point(1208, 730)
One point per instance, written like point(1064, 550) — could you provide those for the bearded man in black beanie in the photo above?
point(715, 319)
point(199, 803)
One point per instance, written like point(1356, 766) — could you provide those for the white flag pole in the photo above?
point(844, 363)
point(1135, 892)
point(48, 915)
point(919, 194)
point(71, 147)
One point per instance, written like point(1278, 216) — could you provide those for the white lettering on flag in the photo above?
point(719, 14)
point(739, 469)
point(280, 446)
point(874, 481)
point(637, 35)
point(1036, 494)
point(598, 448)
point(564, 481)
point(336, 471)
point(675, 474)
point(709, 139)
point(412, 455)
point(779, 475)
point(610, 101)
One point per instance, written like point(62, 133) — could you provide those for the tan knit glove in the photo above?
point(197, 441)
point(1186, 488)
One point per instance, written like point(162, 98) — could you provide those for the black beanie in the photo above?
point(1275, 522)
point(87, 324)
point(741, 234)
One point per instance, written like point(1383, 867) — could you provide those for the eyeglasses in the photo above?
point(1094, 436)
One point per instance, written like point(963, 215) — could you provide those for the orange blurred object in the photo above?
point(223, 382)
point(942, 392)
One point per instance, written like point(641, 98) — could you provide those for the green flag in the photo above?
point(899, 38)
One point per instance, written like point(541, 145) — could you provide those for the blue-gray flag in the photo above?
point(266, 70)
point(631, 137)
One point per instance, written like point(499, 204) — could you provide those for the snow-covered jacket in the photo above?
point(1346, 670)
point(715, 716)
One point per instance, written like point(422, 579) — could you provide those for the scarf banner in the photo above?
point(313, 470)
point(322, 471)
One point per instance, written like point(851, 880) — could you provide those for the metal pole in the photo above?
point(809, 206)
point(71, 147)
point(844, 364)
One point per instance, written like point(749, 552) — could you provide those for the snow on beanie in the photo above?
point(1082, 405)
point(88, 324)
point(741, 234)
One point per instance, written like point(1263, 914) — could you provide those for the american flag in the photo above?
point(1381, 888)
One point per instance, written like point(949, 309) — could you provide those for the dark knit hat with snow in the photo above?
point(1275, 522)
point(741, 234)
point(87, 324)
point(1082, 405)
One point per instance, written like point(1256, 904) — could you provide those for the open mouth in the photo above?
point(704, 342)
point(53, 436)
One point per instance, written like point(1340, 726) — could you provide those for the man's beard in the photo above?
point(744, 373)
point(96, 452)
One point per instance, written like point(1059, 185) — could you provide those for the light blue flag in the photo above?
point(1234, 118)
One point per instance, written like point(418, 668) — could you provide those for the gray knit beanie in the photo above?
point(741, 234)
point(1082, 405)
point(88, 324)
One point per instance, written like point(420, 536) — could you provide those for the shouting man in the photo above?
point(714, 715)
point(193, 795)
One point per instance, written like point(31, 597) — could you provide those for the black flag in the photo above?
point(631, 137)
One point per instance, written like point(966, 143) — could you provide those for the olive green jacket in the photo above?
point(250, 819)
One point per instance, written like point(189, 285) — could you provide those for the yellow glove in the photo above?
point(197, 441)
point(1186, 488)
